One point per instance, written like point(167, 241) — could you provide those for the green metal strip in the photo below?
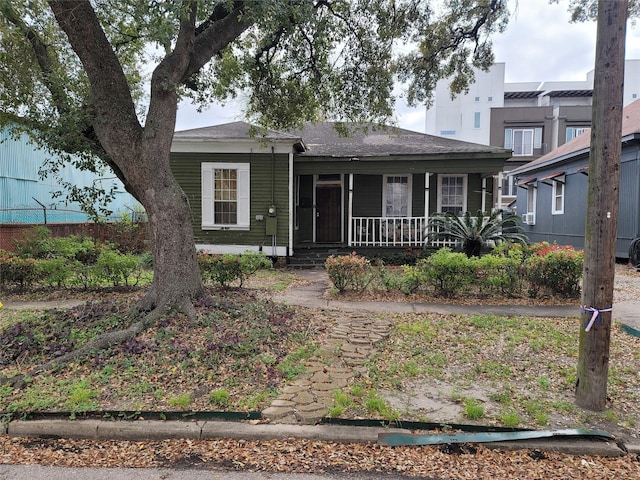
point(399, 439)
point(630, 330)
point(414, 425)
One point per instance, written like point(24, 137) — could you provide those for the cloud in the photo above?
point(541, 45)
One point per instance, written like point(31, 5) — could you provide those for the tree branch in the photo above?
point(42, 54)
point(115, 116)
point(215, 34)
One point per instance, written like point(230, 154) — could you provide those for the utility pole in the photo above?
point(602, 206)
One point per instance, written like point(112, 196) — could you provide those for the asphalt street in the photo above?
point(37, 472)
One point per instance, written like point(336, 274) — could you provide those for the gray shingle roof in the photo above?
point(232, 131)
point(322, 139)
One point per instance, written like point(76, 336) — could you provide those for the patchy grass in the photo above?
point(235, 355)
point(241, 349)
point(508, 371)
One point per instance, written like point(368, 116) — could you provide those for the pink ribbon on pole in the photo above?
point(595, 315)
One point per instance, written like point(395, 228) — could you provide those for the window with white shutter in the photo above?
point(225, 196)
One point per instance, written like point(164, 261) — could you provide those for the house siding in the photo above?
point(569, 228)
point(186, 168)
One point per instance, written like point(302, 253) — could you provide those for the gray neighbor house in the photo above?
point(280, 193)
point(552, 190)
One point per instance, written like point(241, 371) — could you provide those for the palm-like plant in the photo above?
point(474, 232)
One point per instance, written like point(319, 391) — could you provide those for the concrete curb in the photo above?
point(138, 430)
point(157, 430)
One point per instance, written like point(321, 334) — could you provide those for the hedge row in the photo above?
point(536, 270)
point(76, 261)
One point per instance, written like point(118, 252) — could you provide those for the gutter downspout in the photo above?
point(350, 212)
point(291, 205)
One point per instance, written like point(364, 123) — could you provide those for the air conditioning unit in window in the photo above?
point(529, 218)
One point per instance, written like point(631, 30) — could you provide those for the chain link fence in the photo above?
point(44, 216)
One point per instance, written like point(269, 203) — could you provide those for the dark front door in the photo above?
point(328, 213)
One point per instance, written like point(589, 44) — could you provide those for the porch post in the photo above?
point(427, 175)
point(500, 177)
point(483, 204)
point(350, 212)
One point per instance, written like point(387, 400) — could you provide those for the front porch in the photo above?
point(371, 236)
point(392, 232)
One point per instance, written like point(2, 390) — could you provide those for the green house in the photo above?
point(375, 187)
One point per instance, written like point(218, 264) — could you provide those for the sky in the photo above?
point(539, 45)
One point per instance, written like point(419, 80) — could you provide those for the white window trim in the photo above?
point(464, 189)
point(536, 140)
point(529, 218)
point(554, 195)
point(409, 178)
point(244, 199)
point(511, 187)
point(573, 132)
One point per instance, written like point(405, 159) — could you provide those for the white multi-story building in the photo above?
point(531, 118)
point(467, 116)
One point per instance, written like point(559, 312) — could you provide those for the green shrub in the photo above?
point(556, 269)
point(38, 243)
point(414, 278)
point(56, 272)
point(228, 268)
point(385, 279)
point(18, 271)
point(116, 268)
point(409, 256)
point(146, 261)
point(35, 242)
point(348, 272)
point(497, 274)
point(449, 272)
point(86, 276)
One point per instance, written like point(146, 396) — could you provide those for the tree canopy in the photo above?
point(295, 61)
point(99, 81)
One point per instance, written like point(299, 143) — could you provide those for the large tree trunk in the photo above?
point(142, 154)
point(602, 206)
point(176, 280)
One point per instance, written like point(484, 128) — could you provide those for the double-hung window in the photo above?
point(522, 140)
point(532, 192)
point(225, 196)
point(573, 132)
point(452, 196)
point(397, 195)
point(558, 196)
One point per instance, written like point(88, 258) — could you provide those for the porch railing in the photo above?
point(393, 232)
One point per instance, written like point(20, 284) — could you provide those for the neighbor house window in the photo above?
point(476, 120)
point(225, 195)
point(452, 193)
point(530, 218)
point(522, 140)
point(573, 132)
point(397, 195)
point(508, 186)
point(558, 196)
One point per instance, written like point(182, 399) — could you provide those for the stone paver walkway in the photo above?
point(340, 359)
